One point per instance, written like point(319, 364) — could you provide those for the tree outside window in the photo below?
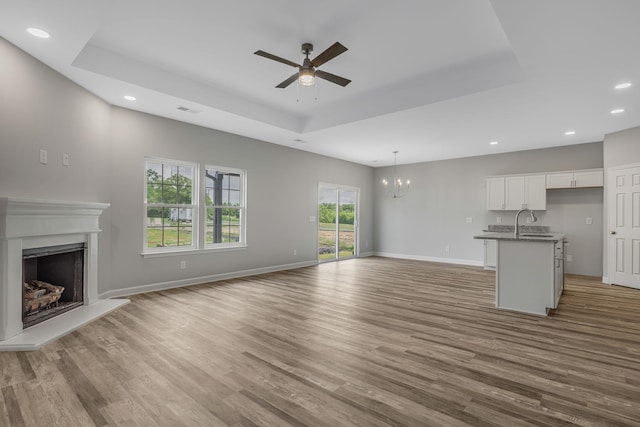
point(170, 207)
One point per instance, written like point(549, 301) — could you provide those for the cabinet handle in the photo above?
point(612, 232)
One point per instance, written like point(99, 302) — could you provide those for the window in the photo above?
point(171, 204)
point(224, 200)
point(175, 220)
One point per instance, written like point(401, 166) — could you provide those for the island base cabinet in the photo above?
point(526, 276)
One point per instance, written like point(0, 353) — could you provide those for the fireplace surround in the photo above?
point(26, 226)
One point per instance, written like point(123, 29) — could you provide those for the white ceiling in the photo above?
point(434, 79)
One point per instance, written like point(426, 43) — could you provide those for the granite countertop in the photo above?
point(503, 235)
point(539, 233)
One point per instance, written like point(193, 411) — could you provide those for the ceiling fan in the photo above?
point(307, 72)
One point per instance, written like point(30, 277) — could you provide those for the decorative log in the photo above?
point(39, 294)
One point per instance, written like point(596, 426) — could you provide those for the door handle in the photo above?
point(612, 232)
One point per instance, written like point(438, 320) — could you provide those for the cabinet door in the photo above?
point(490, 255)
point(536, 192)
point(495, 194)
point(560, 180)
point(559, 273)
point(588, 179)
point(514, 193)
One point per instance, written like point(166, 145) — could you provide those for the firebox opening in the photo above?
point(53, 281)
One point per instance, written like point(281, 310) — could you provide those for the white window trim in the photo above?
point(198, 235)
point(243, 209)
point(195, 190)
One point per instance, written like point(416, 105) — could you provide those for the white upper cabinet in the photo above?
point(536, 192)
point(526, 192)
point(495, 194)
point(512, 193)
point(576, 179)
point(560, 180)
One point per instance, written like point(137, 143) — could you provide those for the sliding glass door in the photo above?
point(337, 222)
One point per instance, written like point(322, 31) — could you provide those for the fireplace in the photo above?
point(53, 281)
point(48, 245)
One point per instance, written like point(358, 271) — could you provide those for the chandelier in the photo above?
point(400, 188)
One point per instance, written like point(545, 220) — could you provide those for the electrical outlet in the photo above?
point(499, 220)
point(588, 220)
point(43, 157)
point(446, 248)
point(295, 252)
point(65, 159)
point(183, 265)
point(312, 218)
point(569, 258)
point(469, 220)
point(529, 220)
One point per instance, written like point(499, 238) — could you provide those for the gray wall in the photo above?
point(444, 193)
point(40, 109)
point(622, 148)
point(281, 196)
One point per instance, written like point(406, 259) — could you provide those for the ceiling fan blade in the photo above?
point(287, 82)
point(275, 58)
point(330, 53)
point(332, 78)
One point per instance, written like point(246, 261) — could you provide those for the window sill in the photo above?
point(191, 251)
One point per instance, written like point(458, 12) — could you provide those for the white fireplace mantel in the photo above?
point(27, 224)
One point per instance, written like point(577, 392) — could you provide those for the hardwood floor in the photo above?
point(365, 342)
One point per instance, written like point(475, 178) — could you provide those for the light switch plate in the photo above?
point(469, 220)
point(589, 220)
point(312, 218)
point(43, 157)
point(65, 159)
point(499, 220)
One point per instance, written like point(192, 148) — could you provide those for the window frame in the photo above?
point(194, 206)
point(199, 208)
point(242, 208)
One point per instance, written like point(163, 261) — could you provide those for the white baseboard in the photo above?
point(432, 259)
point(366, 254)
point(203, 279)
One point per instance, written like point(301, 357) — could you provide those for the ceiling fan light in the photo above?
point(307, 78)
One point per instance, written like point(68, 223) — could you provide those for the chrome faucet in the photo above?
point(516, 233)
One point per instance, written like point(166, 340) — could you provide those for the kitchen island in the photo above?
point(529, 270)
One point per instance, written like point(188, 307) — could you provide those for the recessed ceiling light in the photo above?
point(570, 132)
point(617, 111)
point(130, 98)
point(37, 32)
point(493, 143)
point(622, 85)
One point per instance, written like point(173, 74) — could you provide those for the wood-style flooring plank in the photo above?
point(369, 342)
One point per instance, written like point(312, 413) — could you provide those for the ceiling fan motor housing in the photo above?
point(307, 48)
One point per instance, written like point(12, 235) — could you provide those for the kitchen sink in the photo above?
point(536, 235)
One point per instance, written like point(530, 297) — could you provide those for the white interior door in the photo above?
point(623, 208)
